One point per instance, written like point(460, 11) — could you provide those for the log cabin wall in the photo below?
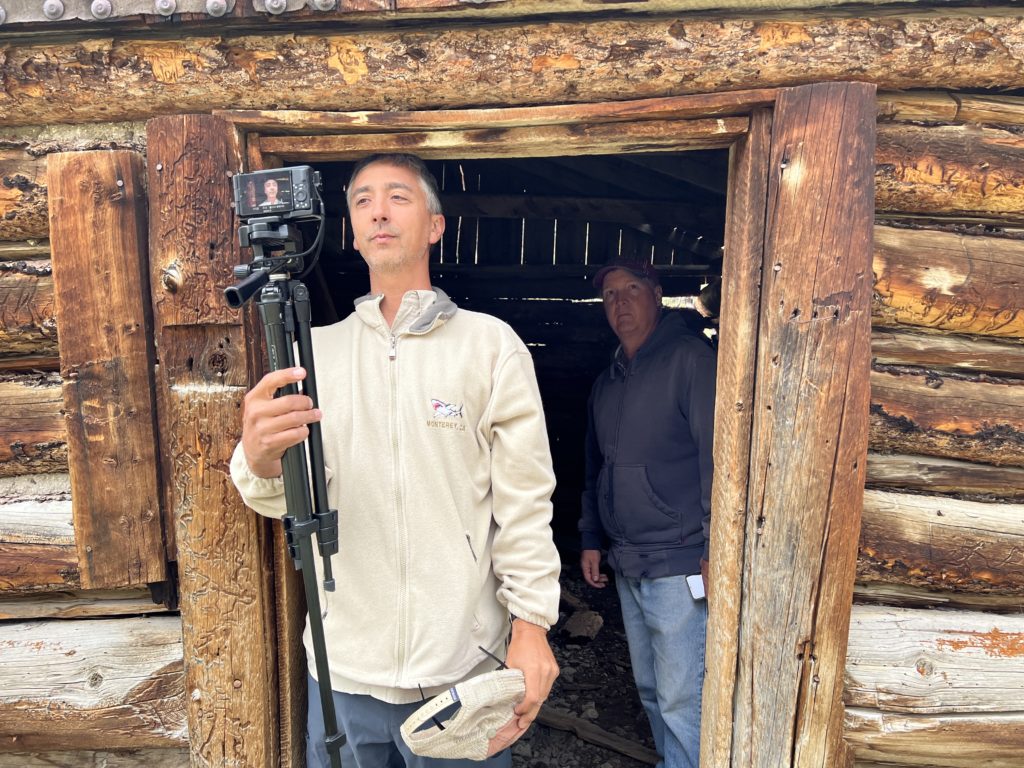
point(935, 661)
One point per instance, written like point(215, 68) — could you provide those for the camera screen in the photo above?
point(265, 193)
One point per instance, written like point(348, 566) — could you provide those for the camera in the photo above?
point(284, 193)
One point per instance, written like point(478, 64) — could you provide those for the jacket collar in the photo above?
point(420, 311)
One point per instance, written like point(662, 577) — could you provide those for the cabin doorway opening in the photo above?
point(524, 237)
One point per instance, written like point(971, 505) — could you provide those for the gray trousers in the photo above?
point(374, 738)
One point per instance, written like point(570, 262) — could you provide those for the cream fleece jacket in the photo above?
point(440, 470)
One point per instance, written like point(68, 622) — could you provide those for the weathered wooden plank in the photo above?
point(958, 171)
point(535, 141)
point(950, 282)
point(938, 350)
point(22, 196)
point(927, 474)
point(940, 543)
point(298, 122)
point(134, 758)
point(226, 605)
point(807, 458)
point(950, 108)
point(92, 684)
point(937, 414)
point(89, 604)
point(934, 662)
point(741, 283)
point(32, 433)
point(28, 326)
point(27, 250)
point(98, 230)
point(934, 741)
point(585, 60)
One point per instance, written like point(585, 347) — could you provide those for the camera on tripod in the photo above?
point(271, 204)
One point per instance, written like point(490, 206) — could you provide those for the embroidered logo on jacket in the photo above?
point(446, 416)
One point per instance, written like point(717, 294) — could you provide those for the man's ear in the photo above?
point(436, 228)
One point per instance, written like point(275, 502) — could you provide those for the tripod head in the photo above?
point(290, 196)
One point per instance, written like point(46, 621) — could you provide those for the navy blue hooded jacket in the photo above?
point(647, 494)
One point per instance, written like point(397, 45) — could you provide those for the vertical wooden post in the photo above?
point(808, 445)
point(99, 251)
point(226, 596)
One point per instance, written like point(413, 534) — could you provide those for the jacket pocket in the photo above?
point(645, 518)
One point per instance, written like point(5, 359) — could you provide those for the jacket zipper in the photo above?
point(399, 512)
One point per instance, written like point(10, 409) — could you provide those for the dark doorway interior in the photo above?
point(524, 237)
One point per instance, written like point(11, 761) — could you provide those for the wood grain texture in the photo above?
point(928, 474)
point(950, 108)
point(741, 287)
point(461, 65)
point(949, 282)
point(884, 739)
point(33, 438)
point(92, 684)
point(957, 171)
point(84, 758)
point(22, 196)
point(224, 562)
point(28, 326)
point(934, 662)
point(807, 460)
point(98, 249)
point(960, 417)
point(942, 544)
point(77, 604)
point(37, 539)
point(946, 351)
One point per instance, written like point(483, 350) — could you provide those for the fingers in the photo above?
point(271, 425)
point(530, 652)
point(590, 563)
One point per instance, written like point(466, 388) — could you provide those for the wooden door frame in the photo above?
point(795, 337)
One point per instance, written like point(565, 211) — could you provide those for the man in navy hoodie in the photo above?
point(647, 497)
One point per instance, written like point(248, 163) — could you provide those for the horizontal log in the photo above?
point(41, 140)
point(945, 351)
point(949, 282)
point(22, 196)
point(92, 684)
point(25, 250)
point(950, 108)
point(83, 604)
point(953, 171)
point(902, 596)
point(936, 414)
point(928, 474)
point(941, 543)
point(934, 662)
point(884, 739)
point(539, 141)
point(591, 59)
point(28, 323)
point(134, 758)
point(33, 438)
point(37, 539)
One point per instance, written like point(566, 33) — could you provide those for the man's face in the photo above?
point(270, 188)
point(391, 224)
point(631, 305)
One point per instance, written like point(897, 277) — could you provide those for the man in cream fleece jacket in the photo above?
point(436, 447)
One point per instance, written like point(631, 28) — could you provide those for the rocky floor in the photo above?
point(594, 693)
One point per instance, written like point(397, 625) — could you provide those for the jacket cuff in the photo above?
point(591, 540)
point(250, 485)
point(532, 618)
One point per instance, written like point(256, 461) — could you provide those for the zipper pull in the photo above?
point(392, 348)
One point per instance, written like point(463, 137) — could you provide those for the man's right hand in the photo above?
point(590, 562)
point(271, 425)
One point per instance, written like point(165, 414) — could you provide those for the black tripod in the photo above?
point(285, 311)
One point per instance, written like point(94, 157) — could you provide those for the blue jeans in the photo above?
point(665, 629)
point(374, 736)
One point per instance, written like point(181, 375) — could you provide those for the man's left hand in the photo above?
point(530, 652)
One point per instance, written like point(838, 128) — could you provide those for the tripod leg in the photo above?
point(275, 311)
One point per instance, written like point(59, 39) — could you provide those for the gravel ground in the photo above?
point(595, 685)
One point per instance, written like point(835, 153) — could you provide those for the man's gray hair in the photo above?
point(401, 160)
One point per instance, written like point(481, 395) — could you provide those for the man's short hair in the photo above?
point(401, 160)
